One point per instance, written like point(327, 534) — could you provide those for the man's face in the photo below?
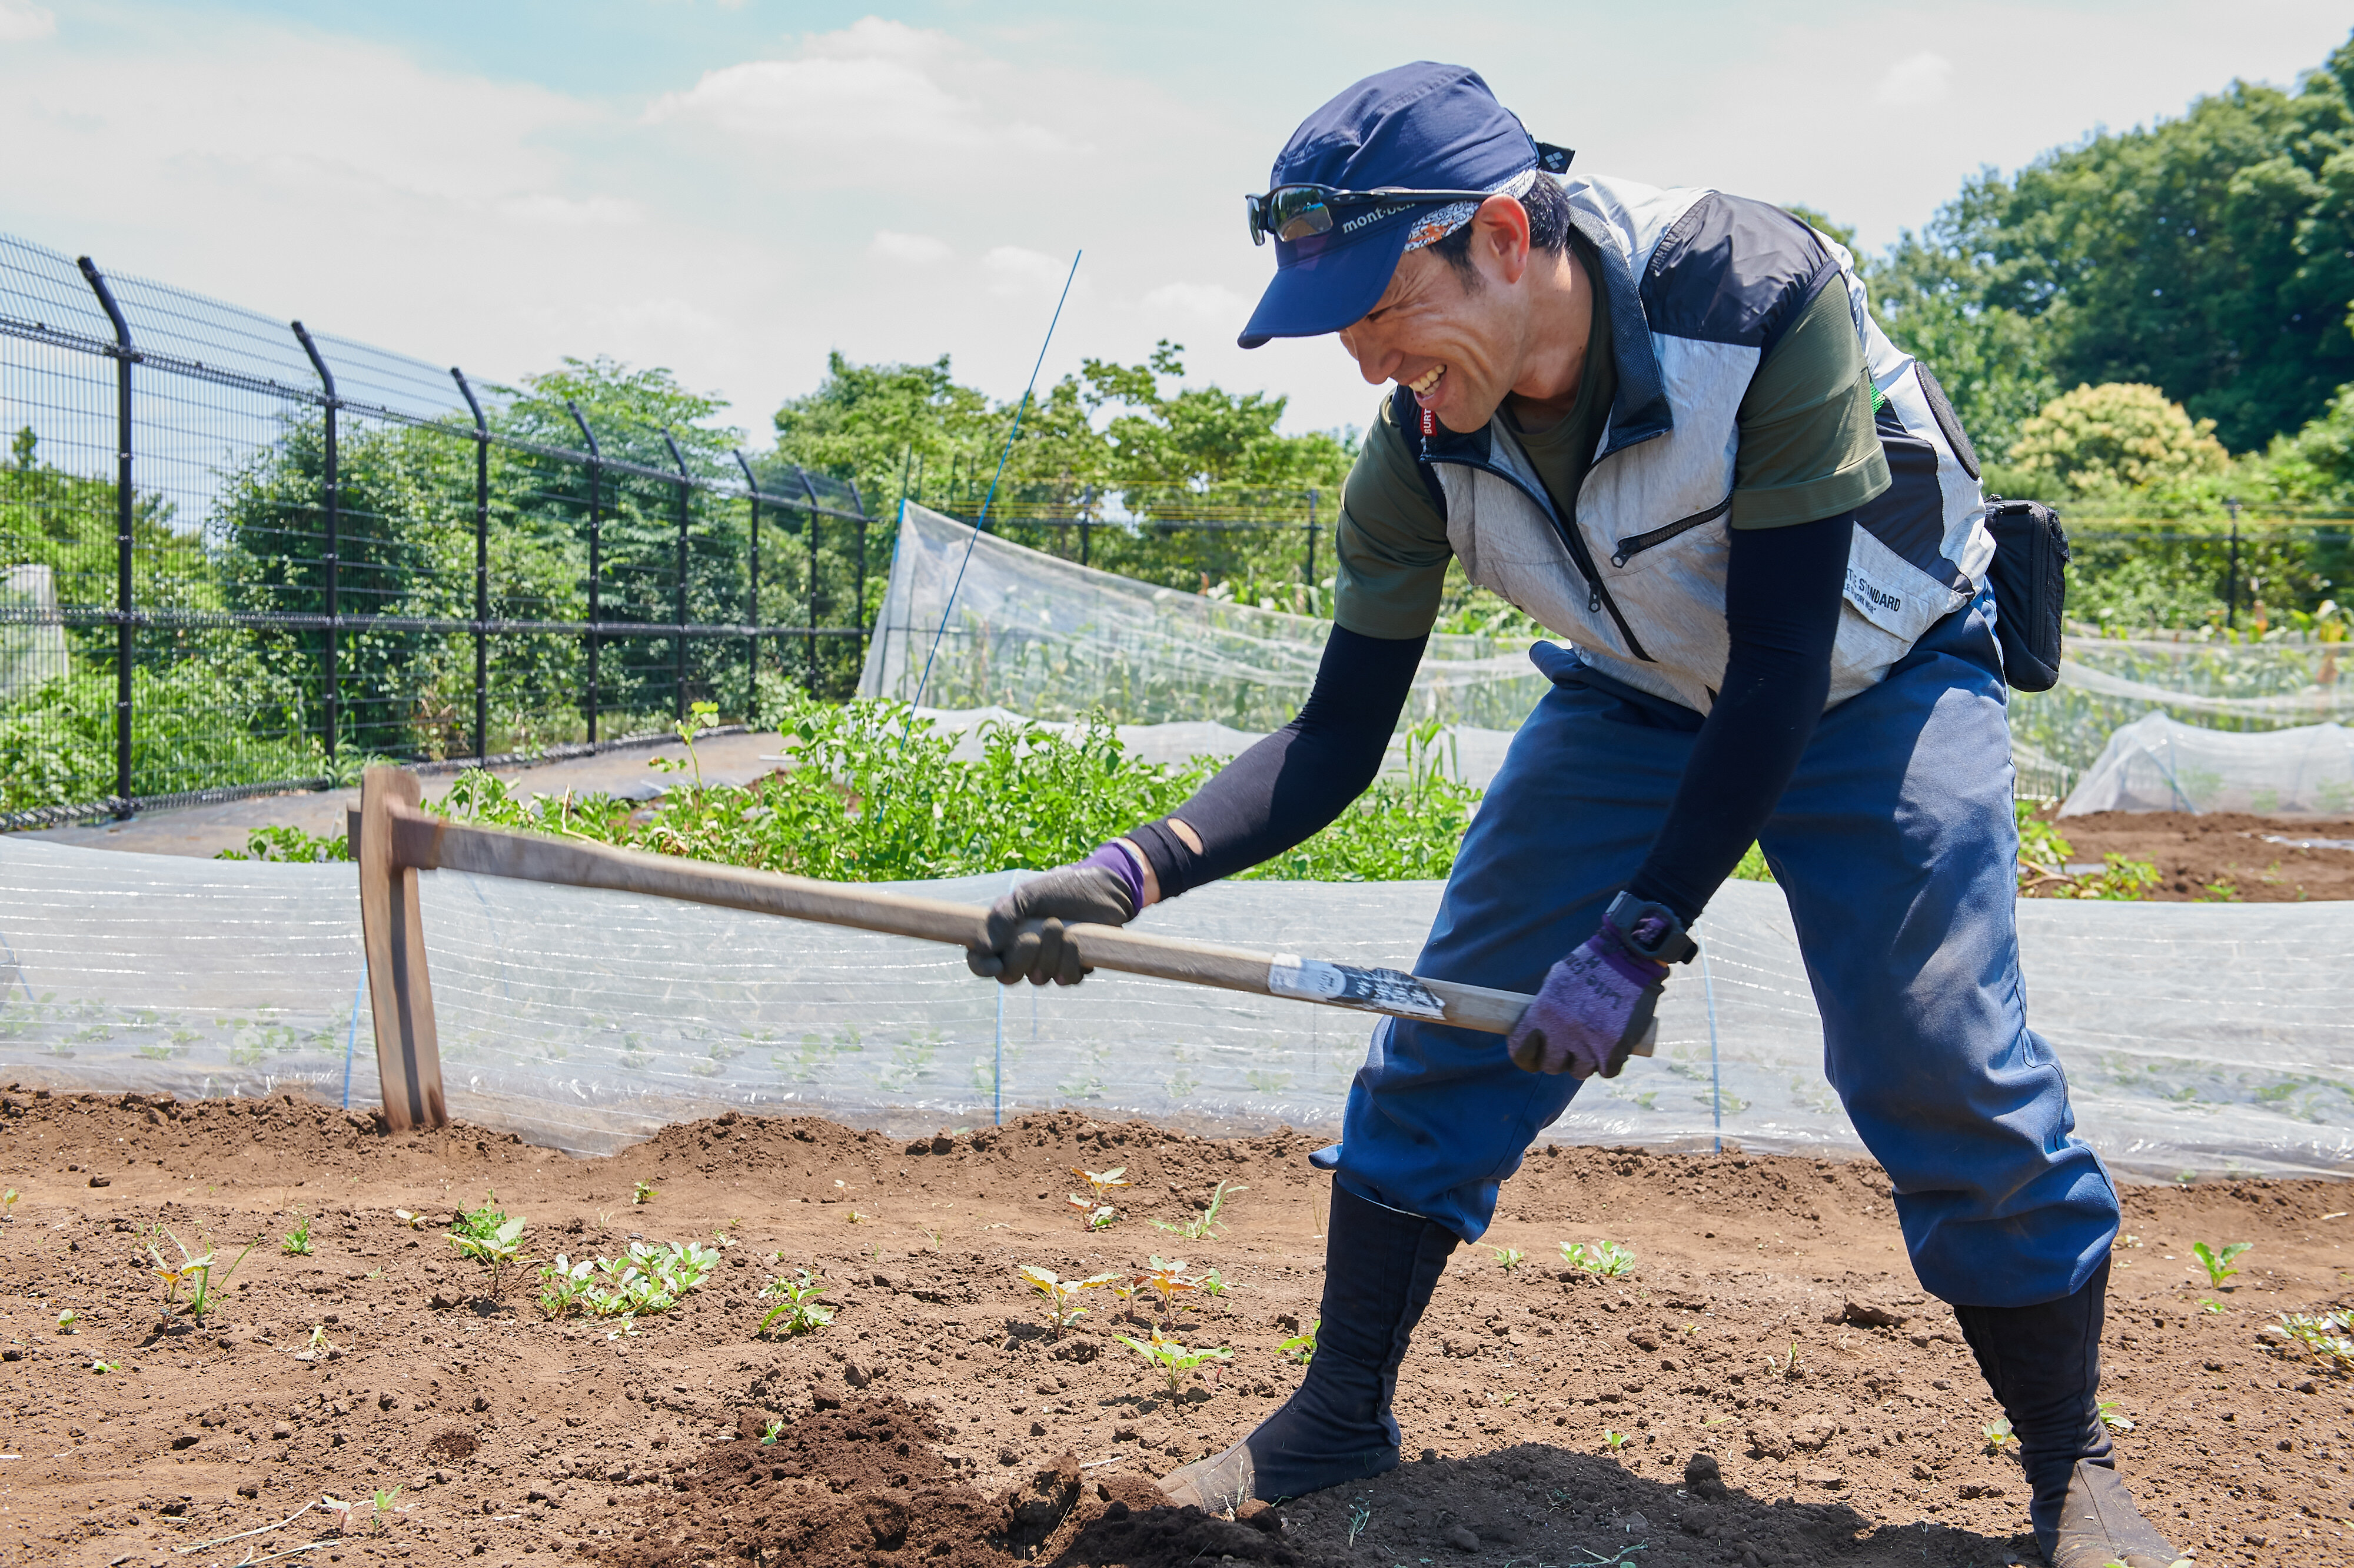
point(1457, 343)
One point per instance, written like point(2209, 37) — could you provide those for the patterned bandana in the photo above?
point(1440, 222)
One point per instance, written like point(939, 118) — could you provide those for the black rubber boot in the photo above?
point(2043, 1363)
point(1380, 1266)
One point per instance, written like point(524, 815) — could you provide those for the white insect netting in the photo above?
point(584, 1020)
point(2159, 764)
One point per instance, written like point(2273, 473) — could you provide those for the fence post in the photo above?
point(596, 525)
point(2231, 582)
point(482, 567)
point(752, 623)
point(1311, 552)
point(125, 500)
point(858, 605)
point(334, 540)
point(678, 596)
point(810, 491)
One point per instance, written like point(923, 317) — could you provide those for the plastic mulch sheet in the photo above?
point(2197, 1037)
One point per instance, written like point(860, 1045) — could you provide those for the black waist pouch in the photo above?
point(2030, 576)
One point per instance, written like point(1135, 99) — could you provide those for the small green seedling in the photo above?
point(383, 1509)
point(1098, 1215)
point(2209, 1304)
point(490, 1236)
point(1998, 1435)
point(1788, 1364)
point(194, 1271)
point(104, 1367)
point(296, 1243)
point(1203, 1227)
point(415, 1222)
point(1301, 1348)
point(1361, 1514)
point(9, 1204)
point(769, 1434)
point(643, 1193)
point(2112, 1415)
point(1508, 1257)
point(2217, 1265)
point(1166, 1278)
point(1062, 1295)
point(69, 1321)
point(1607, 1258)
point(1614, 1441)
point(1172, 1359)
point(935, 1237)
point(1103, 1185)
point(1209, 1283)
point(796, 1303)
point(1126, 1288)
point(341, 1511)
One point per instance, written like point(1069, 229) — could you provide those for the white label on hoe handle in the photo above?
point(1346, 985)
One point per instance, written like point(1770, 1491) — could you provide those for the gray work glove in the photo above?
point(1098, 891)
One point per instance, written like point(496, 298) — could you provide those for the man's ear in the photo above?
point(1500, 238)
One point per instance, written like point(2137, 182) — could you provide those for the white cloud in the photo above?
point(916, 250)
point(1209, 301)
point(562, 212)
point(1010, 270)
point(864, 103)
point(22, 22)
point(1914, 81)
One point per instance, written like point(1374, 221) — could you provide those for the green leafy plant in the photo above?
point(2327, 1336)
point(1998, 1435)
point(491, 1237)
point(69, 1321)
point(1203, 1226)
point(382, 1509)
point(1172, 1359)
point(414, 1221)
point(1062, 1295)
point(1166, 1278)
point(1213, 1286)
point(1098, 1215)
point(2217, 1265)
point(700, 717)
point(1301, 1348)
point(770, 1433)
point(1607, 1258)
point(296, 1243)
point(103, 1368)
point(797, 1304)
point(2112, 1415)
point(1361, 1514)
point(649, 1277)
point(195, 1271)
point(9, 1204)
point(2209, 1304)
point(643, 1193)
point(1614, 1441)
point(1508, 1258)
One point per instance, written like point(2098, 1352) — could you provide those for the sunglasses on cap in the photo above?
point(1293, 213)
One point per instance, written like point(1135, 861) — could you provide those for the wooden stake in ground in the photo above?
point(394, 840)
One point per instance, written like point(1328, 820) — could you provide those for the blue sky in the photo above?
point(731, 190)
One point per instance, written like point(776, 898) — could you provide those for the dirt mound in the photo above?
point(866, 1484)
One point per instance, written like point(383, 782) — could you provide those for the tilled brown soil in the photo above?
point(1769, 1326)
point(2228, 856)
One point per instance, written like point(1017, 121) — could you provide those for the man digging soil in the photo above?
point(1663, 424)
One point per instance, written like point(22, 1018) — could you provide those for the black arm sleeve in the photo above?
point(1782, 593)
point(1288, 785)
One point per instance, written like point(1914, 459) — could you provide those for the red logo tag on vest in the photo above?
point(1430, 424)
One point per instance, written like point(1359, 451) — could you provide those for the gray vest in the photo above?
point(1700, 286)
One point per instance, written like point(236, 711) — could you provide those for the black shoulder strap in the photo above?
point(1407, 415)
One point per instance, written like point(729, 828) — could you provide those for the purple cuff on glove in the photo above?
point(1122, 865)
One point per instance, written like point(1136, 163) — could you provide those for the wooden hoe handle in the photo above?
point(394, 840)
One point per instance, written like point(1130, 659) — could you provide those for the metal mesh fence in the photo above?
point(235, 555)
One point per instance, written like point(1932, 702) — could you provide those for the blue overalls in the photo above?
point(1896, 846)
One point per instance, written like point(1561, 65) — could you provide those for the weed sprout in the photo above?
point(796, 1304)
point(296, 1243)
point(1172, 1359)
point(1509, 1257)
point(1205, 1225)
point(193, 1270)
point(1361, 1514)
point(1607, 1258)
point(1301, 1348)
point(2217, 1265)
point(489, 1235)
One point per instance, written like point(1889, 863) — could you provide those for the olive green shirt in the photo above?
point(1808, 449)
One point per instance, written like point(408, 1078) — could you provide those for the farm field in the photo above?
point(1767, 1323)
point(2227, 856)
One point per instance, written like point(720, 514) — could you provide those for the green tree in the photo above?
point(2106, 441)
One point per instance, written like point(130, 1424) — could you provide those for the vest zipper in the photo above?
point(1597, 597)
point(1633, 545)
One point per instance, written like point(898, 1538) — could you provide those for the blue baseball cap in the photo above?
point(1422, 126)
